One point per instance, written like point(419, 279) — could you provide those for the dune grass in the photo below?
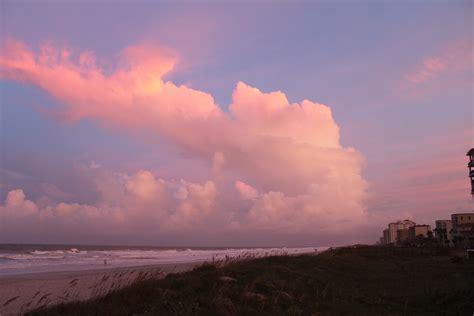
point(348, 284)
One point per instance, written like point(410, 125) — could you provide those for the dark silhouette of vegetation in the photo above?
point(333, 283)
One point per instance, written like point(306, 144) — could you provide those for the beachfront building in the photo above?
point(403, 235)
point(393, 228)
point(391, 235)
point(470, 165)
point(463, 227)
point(385, 237)
point(443, 230)
point(419, 230)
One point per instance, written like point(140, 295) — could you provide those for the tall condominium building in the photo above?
point(444, 230)
point(418, 230)
point(463, 225)
point(385, 237)
point(394, 227)
point(403, 234)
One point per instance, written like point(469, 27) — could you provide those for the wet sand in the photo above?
point(20, 293)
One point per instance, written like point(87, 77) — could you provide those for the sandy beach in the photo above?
point(20, 293)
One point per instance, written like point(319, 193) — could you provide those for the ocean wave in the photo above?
point(32, 257)
point(39, 252)
point(5, 259)
point(76, 251)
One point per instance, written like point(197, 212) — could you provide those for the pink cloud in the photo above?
point(454, 59)
point(300, 178)
point(246, 191)
point(16, 201)
point(145, 186)
point(146, 203)
point(428, 69)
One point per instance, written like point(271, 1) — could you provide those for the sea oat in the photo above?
point(10, 300)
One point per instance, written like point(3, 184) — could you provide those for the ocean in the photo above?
point(24, 259)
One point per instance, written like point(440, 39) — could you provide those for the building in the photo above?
point(418, 230)
point(385, 237)
point(394, 227)
point(403, 235)
point(390, 234)
point(463, 226)
point(470, 165)
point(443, 230)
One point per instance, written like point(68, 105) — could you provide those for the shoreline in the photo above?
point(23, 292)
point(93, 271)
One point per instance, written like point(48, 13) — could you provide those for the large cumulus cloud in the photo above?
point(275, 165)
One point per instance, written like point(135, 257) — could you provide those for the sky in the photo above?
point(225, 123)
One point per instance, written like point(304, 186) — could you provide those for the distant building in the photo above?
point(443, 230)
point(385, 237)
point(460, 219)
point(394, 227)
point(419, 230)
point(463, 226)
point(403, 234)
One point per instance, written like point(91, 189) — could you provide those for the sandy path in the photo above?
point(20, 293)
